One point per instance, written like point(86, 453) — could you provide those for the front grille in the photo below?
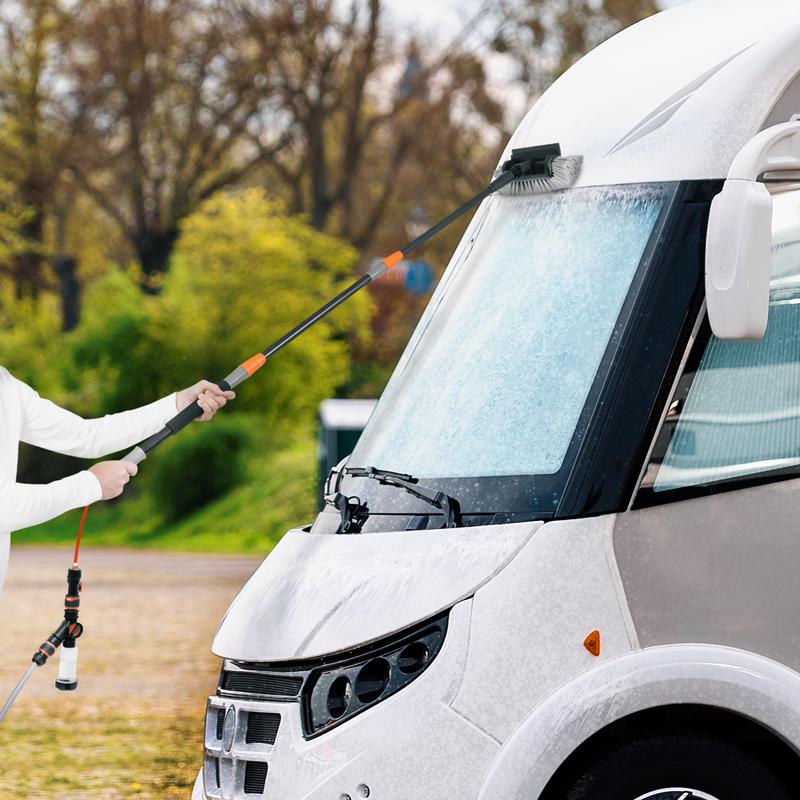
point(255, 776)
point(238, 732)
point(261, 683)
point(262, 728)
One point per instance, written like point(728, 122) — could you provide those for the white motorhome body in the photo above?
point(615, 615)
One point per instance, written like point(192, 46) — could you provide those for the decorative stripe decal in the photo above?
point(661, 115)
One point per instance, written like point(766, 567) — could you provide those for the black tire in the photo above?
point(691, 761)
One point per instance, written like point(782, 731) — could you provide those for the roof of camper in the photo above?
point(676, 96)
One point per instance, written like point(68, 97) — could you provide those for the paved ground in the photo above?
point(134, 727)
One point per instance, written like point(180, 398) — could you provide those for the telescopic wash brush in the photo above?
point(533, 169)
point(530, 170)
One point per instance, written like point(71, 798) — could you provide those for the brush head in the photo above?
point(561, 172)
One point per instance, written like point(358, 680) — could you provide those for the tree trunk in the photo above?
point(153, 251)
point(69, 290)
point(28, 278)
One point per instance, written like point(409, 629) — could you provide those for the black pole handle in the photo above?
point(191, 412)
point(177, 423)
point(183, 418)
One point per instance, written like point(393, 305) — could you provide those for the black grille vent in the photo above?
point(220, 722)
point(255, 776)
point(262, 728)
point(216, 771)
point(261, 684)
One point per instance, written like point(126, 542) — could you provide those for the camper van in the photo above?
point(563, 561)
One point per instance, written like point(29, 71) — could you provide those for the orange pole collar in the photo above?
point(394, 259)
point(253, 363)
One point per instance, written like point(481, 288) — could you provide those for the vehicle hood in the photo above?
point(318, 594)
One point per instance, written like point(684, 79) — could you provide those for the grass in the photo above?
point(116, 755)
point(137, 735)
point(277, 494)
point(134, 728)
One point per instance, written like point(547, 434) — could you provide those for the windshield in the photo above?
point(495, 379)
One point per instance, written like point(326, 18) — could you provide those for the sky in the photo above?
point(450, 16)
point(443, 12)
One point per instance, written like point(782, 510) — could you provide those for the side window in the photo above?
point(736, 413)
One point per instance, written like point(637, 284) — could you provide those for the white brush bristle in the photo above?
point(566, 171)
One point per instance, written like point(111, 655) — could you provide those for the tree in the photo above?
point(29, 144)
point(546, 37)
point(360, 106)
point(13, 217)
point(164, 99)
point(173, 101)
point(253, 273)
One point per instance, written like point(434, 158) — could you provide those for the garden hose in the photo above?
point(65, 636)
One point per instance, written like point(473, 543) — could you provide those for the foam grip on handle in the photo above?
point(182, 419)
point(191, 412)
point(136, 456)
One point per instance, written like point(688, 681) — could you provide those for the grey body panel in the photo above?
point(721, 569)
point(787, 106)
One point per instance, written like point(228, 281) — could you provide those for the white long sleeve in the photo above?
point(26, 504)
point(24, 416)
point(47, 425)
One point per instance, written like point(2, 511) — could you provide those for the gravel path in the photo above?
point(134, 727)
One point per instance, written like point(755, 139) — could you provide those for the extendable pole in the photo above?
point(528, 162)
point(533, 161)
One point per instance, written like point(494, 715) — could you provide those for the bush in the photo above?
point(204, 463)
point(242, 274)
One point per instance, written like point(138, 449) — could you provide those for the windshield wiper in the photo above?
point(449, 506)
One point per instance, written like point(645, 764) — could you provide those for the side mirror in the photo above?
point(739, 243)
point(738, 259)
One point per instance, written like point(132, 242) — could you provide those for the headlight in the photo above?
point(337, 691)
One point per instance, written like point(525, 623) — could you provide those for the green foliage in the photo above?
point(30, 346)
point(115, 355)
point(279, 494)
point(13, 216)
point(200, 466)
point(242, 274)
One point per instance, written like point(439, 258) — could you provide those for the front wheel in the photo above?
point(675, 767)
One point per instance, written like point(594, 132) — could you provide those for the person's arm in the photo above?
point(47, 425)
point(26, 504)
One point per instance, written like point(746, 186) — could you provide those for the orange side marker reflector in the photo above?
point(253, 363)
point(394, 259)
point(592, 643)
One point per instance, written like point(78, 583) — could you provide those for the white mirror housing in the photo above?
point(738, 258)
point(739, 242)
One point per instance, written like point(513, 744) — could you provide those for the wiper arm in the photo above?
point(449, 506)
